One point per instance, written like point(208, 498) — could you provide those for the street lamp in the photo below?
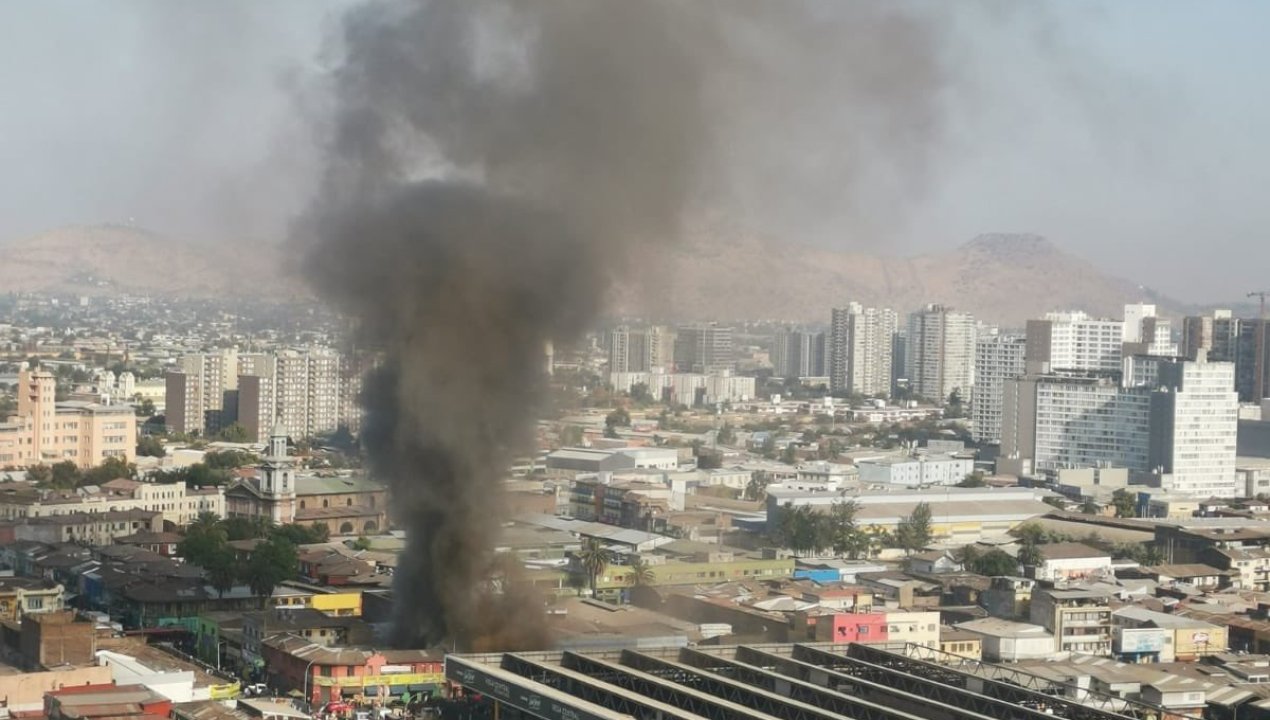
point(307, 703)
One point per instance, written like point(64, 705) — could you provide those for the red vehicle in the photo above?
point(335, 707)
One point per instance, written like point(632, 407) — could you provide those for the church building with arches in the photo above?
point(346, 503)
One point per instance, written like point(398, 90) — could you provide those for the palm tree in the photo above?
point(1030, 555)
point(594, 558)
point(641, 574)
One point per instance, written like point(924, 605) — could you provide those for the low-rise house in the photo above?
point(88, 528)
point(53, 639)
point(1068, 561)
point(20, 597)
point(1010, 641)
point(321, 674)
point(330, 567)
point(1190, 639)
point(89, 702)
point(1079, 619)
point(312, 625)
point(843, 597)
point(915, 628)
point(1204, 577)
point(851, 628)
point(935, 562)
point(962, 643)
point(158, 542)
point(1251, 564)
point(1008, 597)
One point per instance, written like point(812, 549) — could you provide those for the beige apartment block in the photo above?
point(46, 431)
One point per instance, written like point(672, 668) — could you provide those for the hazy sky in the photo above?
point(1130, 133)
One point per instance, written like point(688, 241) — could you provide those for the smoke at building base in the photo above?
point(493, 167)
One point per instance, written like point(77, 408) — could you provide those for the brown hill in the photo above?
point(116, 259)
point(1000, 278)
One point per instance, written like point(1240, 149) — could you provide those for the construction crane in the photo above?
point(1262, 295)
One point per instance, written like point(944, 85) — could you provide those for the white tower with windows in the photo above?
point(277, 478)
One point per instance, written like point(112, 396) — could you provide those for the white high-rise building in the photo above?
point(1073, 422)
point(1194, 420)
point(196, 392)
point(628, 349)
point(798, 353)
point(704, 348)
point(860, 346)
point(997, 358)
point(1134, 314)
point(307, 391)
point(1074, 342)
point(940, 353)
point(1145, 333)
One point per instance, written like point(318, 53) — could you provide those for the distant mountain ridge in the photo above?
point(1001, 278)
point(121, 259)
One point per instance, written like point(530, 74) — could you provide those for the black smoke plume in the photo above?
point(494, 165)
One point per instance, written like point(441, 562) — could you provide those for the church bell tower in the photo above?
point(277, 478)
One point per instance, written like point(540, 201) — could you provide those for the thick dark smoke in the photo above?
point(492, 163)
point(494, 166)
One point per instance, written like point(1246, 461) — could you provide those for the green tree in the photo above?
point(768, 448)
point(1089, 506)
point(954, 408)
point(241, 528)
point(708, 459)
point(300, 534)
point(618, 418)
point(150, 446)
point(202, 542)
point(847, 538)
point(594, 558)
point(1030, 555)
point(234, 433)
point(610, 432)
point(112, 468)
point(361, 543)
point(1125, 502)
point(145, 408)
point(968, 556)
point(726, 435)
point(789, 455)
point(879, 539)
point(65, 475)
point(973, 480)
point(756, 488)
point(914, 532)
point(221, 566)
point(39, 474)
point(640, 394)
point(641, 573)
point(994, 563)
point(229, 459)
point(1029, 533)
point(802, 529)
point(271, 562)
